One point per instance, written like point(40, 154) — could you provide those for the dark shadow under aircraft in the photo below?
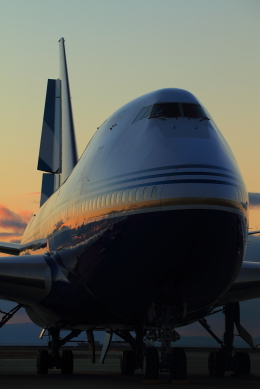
point(145, 233)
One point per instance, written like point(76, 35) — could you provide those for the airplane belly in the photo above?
point(160, 256)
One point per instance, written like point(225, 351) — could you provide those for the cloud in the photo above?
point(254, 199)
point(16, 222)
point(7, 234)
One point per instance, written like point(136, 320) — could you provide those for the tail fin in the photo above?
point(69, 148)
point(58, 151)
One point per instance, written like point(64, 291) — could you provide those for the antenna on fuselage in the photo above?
point(58, 151)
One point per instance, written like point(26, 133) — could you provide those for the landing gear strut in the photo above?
point(173, 359)
point(223, 360)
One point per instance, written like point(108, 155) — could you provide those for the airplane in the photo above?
point(145, 233)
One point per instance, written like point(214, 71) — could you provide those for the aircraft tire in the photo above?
point(67, 362)
point(127, 362)
point(42, 362)
point(151, 363)
point(178, 369)
point(216, 364)
point(243, 364)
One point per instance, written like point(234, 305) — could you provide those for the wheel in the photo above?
point(216, 364)
point(67, 362)
point(243, 365)
point(127, 362)
point(178, 368)
point(42, 362)
point(151, 363)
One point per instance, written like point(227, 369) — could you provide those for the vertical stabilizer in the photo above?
point(69, 154)
point(50, 147)
point(58, 151)
point(48, 187)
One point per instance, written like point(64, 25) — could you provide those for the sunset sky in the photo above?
point(118, 50)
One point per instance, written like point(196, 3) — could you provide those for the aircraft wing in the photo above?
point(10, 248)
point(246, 286)
point(253, 232)
point(25, 279)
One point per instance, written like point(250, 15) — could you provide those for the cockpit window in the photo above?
point(166, 109)
point(147, 112)
point(193, 111)
point(141, 114)
point(171, 110)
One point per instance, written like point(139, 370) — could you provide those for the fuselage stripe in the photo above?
point(186, 166)
point(143, 184)
point(163, 175)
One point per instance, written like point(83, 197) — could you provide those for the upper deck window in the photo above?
point(170, 110)
point(193, 111)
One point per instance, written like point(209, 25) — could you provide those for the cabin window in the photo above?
point(145, 193)
point(123, 196)
point(112, 199)
point(137, 194)
point(118, 197)
point(107, 200)
point(103, 201)
point(90, 205)
point(82, 207)
point(193, 111)
point(98, 202)
point(130, 195)
point(166, 110)
point(86, 205)
point(94, 203)
point(154, 192)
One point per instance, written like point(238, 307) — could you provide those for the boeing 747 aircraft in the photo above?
point(145, 233)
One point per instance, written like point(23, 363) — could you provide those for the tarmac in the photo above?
point(18, 370)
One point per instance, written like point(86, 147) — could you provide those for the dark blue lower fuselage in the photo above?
point(117, 267)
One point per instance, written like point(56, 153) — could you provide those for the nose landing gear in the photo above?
point(145, 356)
point(151, 363)
point(127, 362)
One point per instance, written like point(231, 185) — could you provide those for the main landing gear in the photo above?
point(223, 360)
point(54, 359)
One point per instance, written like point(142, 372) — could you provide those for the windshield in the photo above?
point(193, 110)
point(166, 109)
